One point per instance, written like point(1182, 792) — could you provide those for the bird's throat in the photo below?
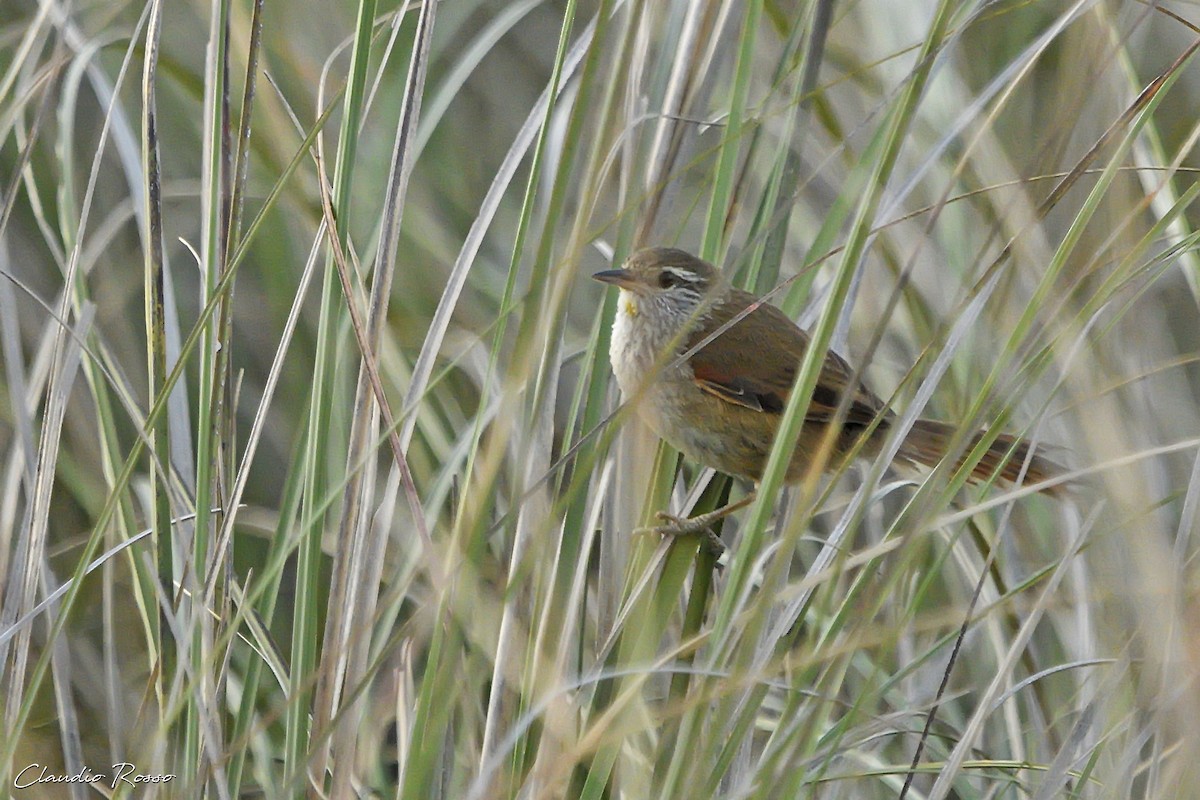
point(630, 302)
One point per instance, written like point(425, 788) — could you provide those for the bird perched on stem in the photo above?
point(722, 405)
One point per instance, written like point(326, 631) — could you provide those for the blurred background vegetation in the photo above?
point(311, 481)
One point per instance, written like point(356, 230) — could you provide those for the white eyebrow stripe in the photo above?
point(683, 274)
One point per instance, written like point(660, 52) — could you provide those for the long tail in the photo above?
point(928, 441)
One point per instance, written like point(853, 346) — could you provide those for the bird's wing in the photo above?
point(754, 363)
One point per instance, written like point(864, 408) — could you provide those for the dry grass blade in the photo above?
point(359, 562)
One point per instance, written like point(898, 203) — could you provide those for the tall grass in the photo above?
point(316, 483)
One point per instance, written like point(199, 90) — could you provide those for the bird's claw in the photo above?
point(675, 527)
point(674, 522)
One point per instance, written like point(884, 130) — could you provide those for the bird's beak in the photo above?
point(618, 277)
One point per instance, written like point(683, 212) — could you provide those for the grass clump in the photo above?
point(315, 481)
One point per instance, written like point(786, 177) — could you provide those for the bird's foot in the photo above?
point(700, 525)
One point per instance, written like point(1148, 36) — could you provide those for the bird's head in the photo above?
point(664, 280)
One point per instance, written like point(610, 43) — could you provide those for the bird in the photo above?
point(722, 405)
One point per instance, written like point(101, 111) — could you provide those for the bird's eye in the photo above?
point(667, 279)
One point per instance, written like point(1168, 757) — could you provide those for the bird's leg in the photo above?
point(700, 524)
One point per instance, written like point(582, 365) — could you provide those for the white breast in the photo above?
point(636, 345)
point(644, 375)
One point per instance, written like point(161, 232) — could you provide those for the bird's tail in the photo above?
point(928, 441)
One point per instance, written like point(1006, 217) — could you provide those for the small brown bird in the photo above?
point(722, 405)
